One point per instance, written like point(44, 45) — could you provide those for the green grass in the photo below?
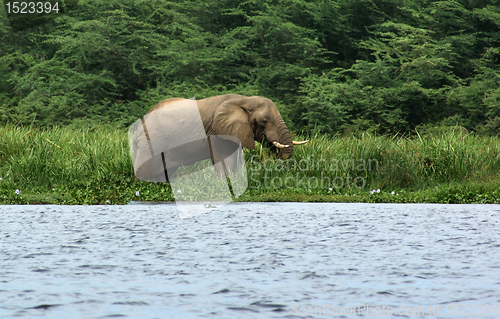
point(93, 166)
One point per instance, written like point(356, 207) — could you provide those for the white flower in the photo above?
point(137, 193)
point(378, 190)
point(17, 191)
point(107, 200)
point(179, 191)
point(392, 193)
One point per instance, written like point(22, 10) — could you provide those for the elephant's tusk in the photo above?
point(300, 143)
point(278, 145)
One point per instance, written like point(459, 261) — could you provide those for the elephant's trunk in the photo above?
point(284, 138)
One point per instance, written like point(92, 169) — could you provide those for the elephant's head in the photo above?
point(252, 119)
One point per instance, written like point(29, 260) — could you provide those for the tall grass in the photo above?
point(52, 157)
point(396, 162)
point(93, 165)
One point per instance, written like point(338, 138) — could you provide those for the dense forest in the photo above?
point(329, 65)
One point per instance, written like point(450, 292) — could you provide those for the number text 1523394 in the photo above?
point(31, 7)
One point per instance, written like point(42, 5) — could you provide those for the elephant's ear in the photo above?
point(232, 119)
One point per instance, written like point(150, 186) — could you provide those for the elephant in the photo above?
point(174, 124)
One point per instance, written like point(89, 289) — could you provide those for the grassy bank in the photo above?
point(67, 166)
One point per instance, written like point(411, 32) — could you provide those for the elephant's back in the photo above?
point(205, 104)
point(165, 103)
point(217, 100)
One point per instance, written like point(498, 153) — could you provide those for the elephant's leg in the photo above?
point(152, 170)
point(224, 153)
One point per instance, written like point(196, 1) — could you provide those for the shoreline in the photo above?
point(471, 193)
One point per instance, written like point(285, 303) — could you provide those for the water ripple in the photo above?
point(260, 260)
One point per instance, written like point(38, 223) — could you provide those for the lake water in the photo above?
point(251, 260)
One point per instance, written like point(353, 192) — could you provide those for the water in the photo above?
point(269, 260)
